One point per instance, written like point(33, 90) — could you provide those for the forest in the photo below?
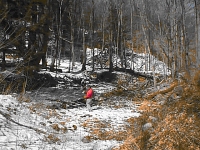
point(34, 29)
point(154, 44)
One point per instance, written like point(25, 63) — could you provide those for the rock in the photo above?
point(158, 97)
point(74, 127)
point(96, 98)
point(173, 98)
point(86, 139)
point(104, 145)
point(147, 126)
point(178, 90)
point(153, 119)
point(161, 102)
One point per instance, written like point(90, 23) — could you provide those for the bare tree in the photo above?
point(59, 30)
point(83, 40)
point(197, 31)
point(131, 17)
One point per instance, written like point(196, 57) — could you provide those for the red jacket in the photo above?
point(89, 94)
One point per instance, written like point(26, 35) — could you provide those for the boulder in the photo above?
point(86, 139)
point(147, 126)
point(153, 119)
point(178, 90)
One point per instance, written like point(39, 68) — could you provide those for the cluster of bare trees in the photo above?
point(168, 29)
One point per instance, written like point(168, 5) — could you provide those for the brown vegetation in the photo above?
point(175, 124)
point(52, 138)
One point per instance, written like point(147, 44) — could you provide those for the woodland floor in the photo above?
point(126, 116)
point(38, 120)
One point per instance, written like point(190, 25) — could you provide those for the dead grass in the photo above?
point(115, 92)
point(55, 127)
point(101, 130)
point(51, 138)
point(23, 98)
point(35, 107)
point(8, 87)
point(176, 131)
point(62, 123)
point(177, 125)
point(108, 135)
point(52, 113)
point(64, 129)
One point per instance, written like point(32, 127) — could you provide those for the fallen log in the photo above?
point(166, 90)
point(132, 72)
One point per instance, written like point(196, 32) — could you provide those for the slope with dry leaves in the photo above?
point(170, 118)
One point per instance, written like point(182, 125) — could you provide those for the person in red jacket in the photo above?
point(89, 95)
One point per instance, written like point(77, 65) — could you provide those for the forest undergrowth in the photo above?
point(170, 118)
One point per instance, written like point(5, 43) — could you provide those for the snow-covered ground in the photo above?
point(32, 125)
point(27, 123)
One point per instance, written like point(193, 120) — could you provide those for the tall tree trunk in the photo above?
point(185, 53)
point(55, 50)
point(84, 52)
point(60, 31)
point(103, 44)
point(154, 76)
point(147, 48)
point(3, 65)
point(53, 60)
point(72, 28)
point(197, 29)
point(110, 57)
point(92, 35)
point(118, 39)
point(72, 46)
point(110, 40)
point(124, 53)
point(103, 39)
point(132, 56)
point(121, 37)
point(83, 55)
point(44, 50)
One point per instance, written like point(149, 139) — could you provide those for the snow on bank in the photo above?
point(142, 63)
point(27, 118)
